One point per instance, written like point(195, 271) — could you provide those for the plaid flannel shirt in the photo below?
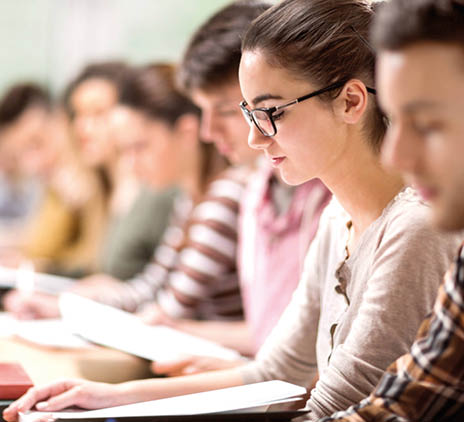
point(426, 384)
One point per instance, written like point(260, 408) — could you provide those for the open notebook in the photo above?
point(111, 327)
point(248, 398)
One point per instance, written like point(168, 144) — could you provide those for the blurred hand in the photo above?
point(152, 314)
point(96, 286)
point(62, 394)
point(190, 365)
point(31, 306)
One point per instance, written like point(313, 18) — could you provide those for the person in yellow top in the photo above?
point(62, 235)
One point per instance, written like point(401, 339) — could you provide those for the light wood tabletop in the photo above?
point(45, 363)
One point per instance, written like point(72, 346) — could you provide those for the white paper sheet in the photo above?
point(50, 333)
point(243, 398)
point(7, 325)
point(121, 330)
point(45, 332)
point(46, 283)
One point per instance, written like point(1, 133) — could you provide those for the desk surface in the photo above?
point(45, 364)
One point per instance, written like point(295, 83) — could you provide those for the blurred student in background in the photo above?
point(128, 233)
point(60, 236)
point(278, 221)
point(123, 221)
point(18, 193)
point(193, 271)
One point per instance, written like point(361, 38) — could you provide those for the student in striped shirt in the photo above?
point(277, 221)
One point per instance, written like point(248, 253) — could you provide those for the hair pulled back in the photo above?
point(321, 41)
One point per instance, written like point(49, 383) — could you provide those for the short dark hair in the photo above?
point(152, 90)
point(213, 54)
point(19, 98)
point(115, 72)
point(401, 23)
point(322, 41)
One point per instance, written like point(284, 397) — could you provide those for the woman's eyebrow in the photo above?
point(264, 97)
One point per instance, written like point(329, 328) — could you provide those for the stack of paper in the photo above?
point(121, 330)
point(253, 397)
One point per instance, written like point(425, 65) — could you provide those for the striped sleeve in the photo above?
point(204, 282)
point(144, 287)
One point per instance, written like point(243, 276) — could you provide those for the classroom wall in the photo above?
point(50, 40)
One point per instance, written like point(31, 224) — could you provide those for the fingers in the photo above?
point(68, 398)
point(151, 315)
point(18, 305)
point(34, 396)
point(38, 305)
point(172, 368)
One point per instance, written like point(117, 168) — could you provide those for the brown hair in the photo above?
point(20, 98)
point(213, 54)
point(152, 90)
point(322, 41)
point(115, 72)
point(401, 23)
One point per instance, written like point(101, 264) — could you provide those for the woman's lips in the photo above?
point(276, 161)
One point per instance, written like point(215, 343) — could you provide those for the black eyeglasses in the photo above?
point(264, 119)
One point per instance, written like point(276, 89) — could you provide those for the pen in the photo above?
point(25, 278)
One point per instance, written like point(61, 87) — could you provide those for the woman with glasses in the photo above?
point(373, 270)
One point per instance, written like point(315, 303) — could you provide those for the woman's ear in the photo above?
point(353, 101)
point(187, 127)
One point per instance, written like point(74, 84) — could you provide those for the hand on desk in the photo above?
point(152, 314)
point(67, 393)
point(190, 365)
point(37, 305)
point(31, 306)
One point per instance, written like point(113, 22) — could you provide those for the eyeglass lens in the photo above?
point(263, 121)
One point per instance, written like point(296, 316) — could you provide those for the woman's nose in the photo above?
point(257, 140)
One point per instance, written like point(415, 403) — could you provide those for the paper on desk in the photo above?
point(50, 333)
point(121, 330)
point(46, 283)
point(7, 324)
point(235, 399)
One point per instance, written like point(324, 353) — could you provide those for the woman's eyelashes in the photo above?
point(276, 116)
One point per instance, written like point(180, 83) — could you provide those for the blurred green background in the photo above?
point(49, 41)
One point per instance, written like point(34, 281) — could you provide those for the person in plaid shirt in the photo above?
point(421, 87)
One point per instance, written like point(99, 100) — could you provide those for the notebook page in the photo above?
point(121, 330)
point(246, 397)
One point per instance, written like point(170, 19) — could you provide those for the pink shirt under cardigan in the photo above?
point(272, 248)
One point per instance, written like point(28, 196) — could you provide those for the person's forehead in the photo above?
point(432, 70)
point(95, 92)
point(228, 90)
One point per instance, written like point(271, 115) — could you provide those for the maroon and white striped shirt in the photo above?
point(193, 273)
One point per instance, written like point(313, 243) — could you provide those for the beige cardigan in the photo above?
point(391, 280)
